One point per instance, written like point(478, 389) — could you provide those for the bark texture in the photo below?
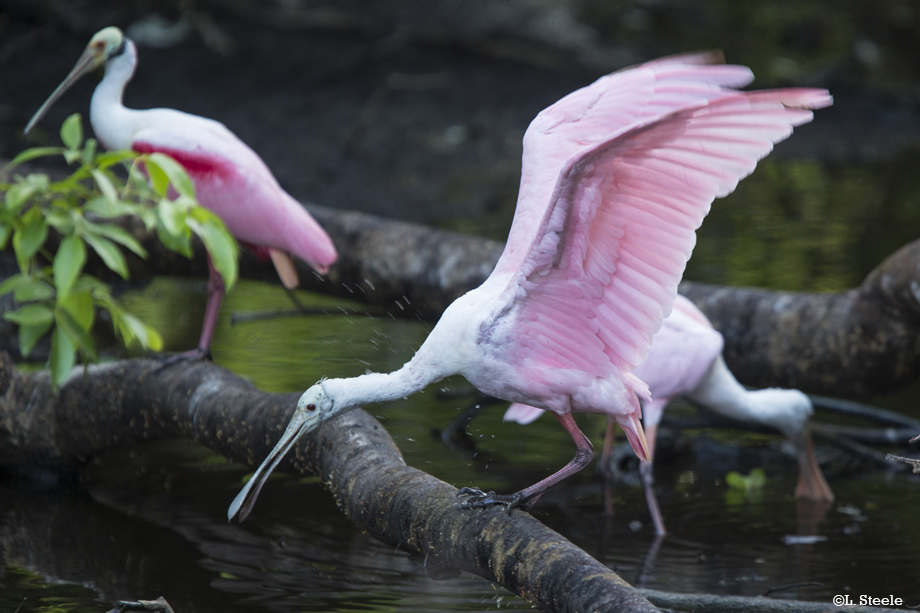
point(133, 401)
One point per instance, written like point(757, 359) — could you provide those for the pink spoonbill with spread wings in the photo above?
point(229, 177)
point(685, 359)
point(616, 178)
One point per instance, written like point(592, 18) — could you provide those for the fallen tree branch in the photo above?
point(132, 401)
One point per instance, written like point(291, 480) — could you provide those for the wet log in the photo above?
point(135, 400)
point(855, 343)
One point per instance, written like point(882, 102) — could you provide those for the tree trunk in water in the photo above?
point(132, 401)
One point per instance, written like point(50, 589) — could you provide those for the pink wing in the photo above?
point(234, 182)
point(680, 355)
point(603, 265)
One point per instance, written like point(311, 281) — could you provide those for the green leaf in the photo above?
point(147, 336)
point(72, 132)
point(80, 307)
point(35, 152)
point(105, 185)
point(63, 357)
point(103, 207)
point(13, 283)
point(29, 238)
point(17, 195)
point(68, 263)
point(158, 179)
point(218, 241)
point(30, 315)
point(110, 253)
point(32, 289)
point(6, 231)
point(30, 335)
point(61, 220)
point(75, 332)
point(109, 158)
point(89, 151)
point(180, 243)
point(119, 235)
point(178, 178)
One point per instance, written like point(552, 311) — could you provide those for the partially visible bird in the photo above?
point(685, 359)
point(229, 177)
point(616, 178)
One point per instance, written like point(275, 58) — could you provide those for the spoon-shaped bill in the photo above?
point(245, 500)
point(88, 62)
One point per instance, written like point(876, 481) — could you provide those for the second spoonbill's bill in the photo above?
point(230, 178)
point(616, 179)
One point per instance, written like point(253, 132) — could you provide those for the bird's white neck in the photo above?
point(106, 112)
point(784, 409)
point(414, 376)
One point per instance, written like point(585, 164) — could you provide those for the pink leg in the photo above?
point(529, 496)
point(215, 295)
point(648, 481)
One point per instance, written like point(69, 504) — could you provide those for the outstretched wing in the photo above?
point(599, 112)
point(602, 268)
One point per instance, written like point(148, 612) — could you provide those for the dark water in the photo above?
point(150, 521)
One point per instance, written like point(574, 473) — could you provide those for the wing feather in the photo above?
point(601, 268)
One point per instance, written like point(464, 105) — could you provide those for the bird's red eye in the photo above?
point(99, 45)
point(311, 407)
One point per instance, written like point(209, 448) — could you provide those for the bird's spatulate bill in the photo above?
point(87, 63)
point(245, 500)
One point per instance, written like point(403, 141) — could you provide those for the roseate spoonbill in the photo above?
point(616, 178)
point(685, 359)
point(229, 177)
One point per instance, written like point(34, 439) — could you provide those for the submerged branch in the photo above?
point(132, 401)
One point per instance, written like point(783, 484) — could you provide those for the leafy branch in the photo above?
point(54, 294)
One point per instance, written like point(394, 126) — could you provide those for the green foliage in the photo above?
point(55, 295)
point(745, 488)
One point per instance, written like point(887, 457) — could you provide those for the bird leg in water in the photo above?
point(528, 497)
point(648, 481)
point(811, 485)
point(215, 295)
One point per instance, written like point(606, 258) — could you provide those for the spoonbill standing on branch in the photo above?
point(685, 359)
point(616, 178)
point(229, 177)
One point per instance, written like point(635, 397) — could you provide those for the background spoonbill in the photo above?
point(685, 359)
point(616, 178)
point(229, 177)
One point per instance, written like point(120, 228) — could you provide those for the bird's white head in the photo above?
point(104, 45)
point(314, 407)
point(786, 409)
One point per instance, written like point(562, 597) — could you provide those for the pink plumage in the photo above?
point(616, 178)
point(229, 177)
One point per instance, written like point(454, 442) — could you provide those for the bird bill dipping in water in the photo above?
point(616, 177)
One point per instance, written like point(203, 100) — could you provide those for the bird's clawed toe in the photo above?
point(475, 498)
point(186, 356)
